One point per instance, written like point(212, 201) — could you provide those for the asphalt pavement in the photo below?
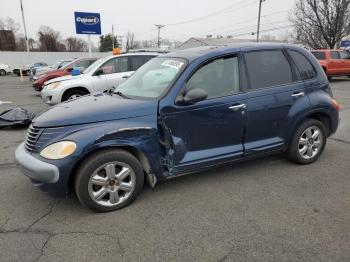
point(263, 210)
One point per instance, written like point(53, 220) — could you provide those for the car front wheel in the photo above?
point(109, 180)
point(308, 142)
point(73, 94)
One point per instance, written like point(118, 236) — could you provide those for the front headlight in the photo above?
point(53, 85)
point(58, 150)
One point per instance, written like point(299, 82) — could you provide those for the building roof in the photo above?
point(196, 52)
point(198, 41)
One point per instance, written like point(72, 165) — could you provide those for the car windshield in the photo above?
point(93, 65)
point(153, 78)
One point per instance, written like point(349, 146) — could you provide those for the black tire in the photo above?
point(88, 168)
point(74, 92)
point(293, 150)
point(2, 72)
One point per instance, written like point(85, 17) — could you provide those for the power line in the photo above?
point(224, 10)
point(266, 30)
point(241, 22)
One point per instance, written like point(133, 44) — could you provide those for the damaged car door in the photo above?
point(206, 122)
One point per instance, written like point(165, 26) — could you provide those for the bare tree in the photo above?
point(321, 23)
point(75, 44)
point(9, 24)
point(49, 40)
point(130, 41)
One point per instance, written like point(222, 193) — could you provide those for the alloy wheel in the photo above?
point(112, 184)
point(310, 142)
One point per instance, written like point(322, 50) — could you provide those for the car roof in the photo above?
point(194, 53)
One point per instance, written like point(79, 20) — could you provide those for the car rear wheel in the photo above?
point(109, 180)
point(308, 142)
point(2, 72)
point(73, 94)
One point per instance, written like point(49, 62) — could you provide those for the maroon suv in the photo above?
point(81, 64)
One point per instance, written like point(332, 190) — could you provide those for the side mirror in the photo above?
point(194, 96)
point(99, 72)
point(70, 69)
point(110, 91)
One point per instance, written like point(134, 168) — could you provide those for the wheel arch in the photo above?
point(69, 89)
point(150, 178)
point(319, 115)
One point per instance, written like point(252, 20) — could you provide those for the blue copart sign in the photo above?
point(87, 23)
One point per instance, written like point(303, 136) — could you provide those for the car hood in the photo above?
point(95, 108)
point(63, 78)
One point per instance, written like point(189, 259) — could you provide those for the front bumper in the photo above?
point(51, 97)
point(34, 168)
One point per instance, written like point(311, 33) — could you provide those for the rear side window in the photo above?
point(305, 68)
point(268, 68)
point(335, 55)
point(137, 61)
point(319, 55)
point(344, 55)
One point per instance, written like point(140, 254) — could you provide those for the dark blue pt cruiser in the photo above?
point(181, 113)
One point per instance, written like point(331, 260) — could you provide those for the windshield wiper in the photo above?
point(121, 94)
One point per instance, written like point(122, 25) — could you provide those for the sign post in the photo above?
point(87, 24)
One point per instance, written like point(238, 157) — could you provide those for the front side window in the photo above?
point(268, 68)
point(218, 78)
point(115, 65)
point(319, 55)
point(153, 78)
point(335, 55)
point(107, 67)
point(305, 68)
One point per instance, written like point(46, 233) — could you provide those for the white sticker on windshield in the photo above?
point(173, 64)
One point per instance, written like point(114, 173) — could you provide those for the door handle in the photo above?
point(298, 94)
point(236, 107)
point(125, 77)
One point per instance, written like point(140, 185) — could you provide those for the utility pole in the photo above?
point(113, 36)
point(259, 16)
point(24, 27)
point(159, 27)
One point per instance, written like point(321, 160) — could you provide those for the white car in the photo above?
point(4, 69)
point(104, 74)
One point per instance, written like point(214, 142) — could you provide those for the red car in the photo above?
point(334, 62)
point(80, 64)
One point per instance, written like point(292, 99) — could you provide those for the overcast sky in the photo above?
point(200, 17)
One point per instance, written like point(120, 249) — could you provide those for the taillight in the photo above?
point(335, 105)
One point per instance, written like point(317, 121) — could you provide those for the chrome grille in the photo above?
point(32, 137)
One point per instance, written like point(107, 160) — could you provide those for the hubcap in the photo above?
point(112, 184)
point(72, 97)
point(310, 142)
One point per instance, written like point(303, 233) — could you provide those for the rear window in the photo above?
point(319, 55)
point(268, 68)
point(305, 68)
